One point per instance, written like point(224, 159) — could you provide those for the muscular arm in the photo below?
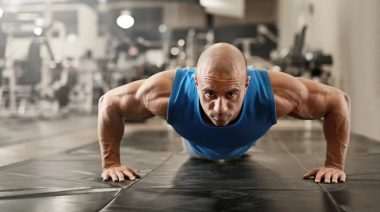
point(305, 99)
point(140, 99)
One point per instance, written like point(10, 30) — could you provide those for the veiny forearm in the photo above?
point(110, 132)
point(336, 128)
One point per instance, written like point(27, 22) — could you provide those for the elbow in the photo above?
point(341, 102)
point(101, 107)
point(101, 100)
point(106, 103)
point(345, 99)
point(348, 100)
point(348, 103)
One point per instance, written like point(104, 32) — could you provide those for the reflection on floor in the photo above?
point(55, 166)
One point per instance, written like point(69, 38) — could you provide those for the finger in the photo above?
point(319, 176)
point(129, 175)
point(120, 175)
point(335, 177)
point(342, 177)
point(113, 176)
point(328, 177)
point(310, 173)
point(135, 172)
point(105, 176)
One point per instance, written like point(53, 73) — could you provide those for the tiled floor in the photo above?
point(55, 166)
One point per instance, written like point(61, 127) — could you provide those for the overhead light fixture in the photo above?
point(125, 20)
point(37, 31)
point(72, 38)
point(1, 12)
point(174, 51)
point(309, 56)
point(162, 28)
point(181, 42)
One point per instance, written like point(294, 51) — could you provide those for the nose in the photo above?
point(220, 106)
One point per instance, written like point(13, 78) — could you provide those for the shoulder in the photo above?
point(284, 80)
point(288, 92)
point(157, 83)
point(301, 87)
point(154, 93)
point(162, 82)
point(162, 77)
point(284, 84)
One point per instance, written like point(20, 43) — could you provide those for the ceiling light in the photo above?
point(125, 20)
point(37, 31)
point(72, 38)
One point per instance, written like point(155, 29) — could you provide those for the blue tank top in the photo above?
point(221, 142)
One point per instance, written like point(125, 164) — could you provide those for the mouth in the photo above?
point(220, 119)
point(220, 123)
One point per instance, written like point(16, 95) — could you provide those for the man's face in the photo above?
point(221, 97)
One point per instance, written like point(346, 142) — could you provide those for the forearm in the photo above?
point(110, 132)
point(336, 128)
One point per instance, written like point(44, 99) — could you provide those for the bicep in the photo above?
point(155, 93)
point(123, 101)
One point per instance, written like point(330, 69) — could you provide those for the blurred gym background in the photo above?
point(57, 57)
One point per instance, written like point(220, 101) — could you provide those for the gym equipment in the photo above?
point(34, 86)
point(298, 62)
point(184, 46)
point(196, 42)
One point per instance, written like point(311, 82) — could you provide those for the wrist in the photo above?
point(334, 165)
point(110, 163)
point(110, 157)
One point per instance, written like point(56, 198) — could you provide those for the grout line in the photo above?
point(360, 174)
point(223, 188)
point(365, 180)
point(336, 205)
point(292, 155)
point(120, 191)
point(63, 192)
point(41, 137)
point(49, 178)
point(111, 200)
point(47, 146)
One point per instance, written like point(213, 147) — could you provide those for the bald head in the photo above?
point(222, 82)
point(222, 59)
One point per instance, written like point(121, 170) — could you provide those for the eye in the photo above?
point(210, 95)
point(232, 94)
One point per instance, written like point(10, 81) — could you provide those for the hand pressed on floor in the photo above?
point(120, 173)
point(326, 175)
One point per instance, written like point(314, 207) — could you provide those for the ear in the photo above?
point(247, 81)
point(196, 79)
